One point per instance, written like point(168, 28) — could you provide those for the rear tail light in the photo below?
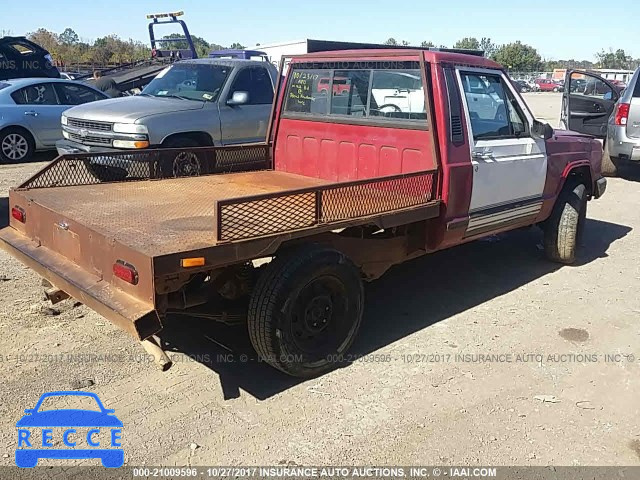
point(19, 214)
point(126, 272)
point(622, 113)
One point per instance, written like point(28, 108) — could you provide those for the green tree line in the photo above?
point(68, 49)
point(520, 57)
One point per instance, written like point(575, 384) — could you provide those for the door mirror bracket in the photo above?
point(542, 130)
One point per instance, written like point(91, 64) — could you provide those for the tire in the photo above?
point(556, 89)
point(105, 173)
point(306, 310)
point(609, 165)
point(16, 145)
point(180, 164)
point(563, 230)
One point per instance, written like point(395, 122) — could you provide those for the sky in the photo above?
point(566, 29)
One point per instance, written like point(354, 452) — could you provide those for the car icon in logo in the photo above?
point(100, 431)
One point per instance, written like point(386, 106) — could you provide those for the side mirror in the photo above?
point(542, 130)
point(238, 98)
point(29, 410)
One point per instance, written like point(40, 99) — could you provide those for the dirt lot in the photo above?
point(422, 393)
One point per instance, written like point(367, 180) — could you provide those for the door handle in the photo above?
point(31, 113)
point(486, 152)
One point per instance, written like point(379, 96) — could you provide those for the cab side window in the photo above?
point(257, 83)
point(493, 109)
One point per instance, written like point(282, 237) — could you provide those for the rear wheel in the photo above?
point(16, 145)
point(306, 310)
point(563, 230)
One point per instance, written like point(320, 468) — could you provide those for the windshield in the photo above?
point(190, 81)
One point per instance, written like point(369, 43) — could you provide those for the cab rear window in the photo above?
point(360, 92)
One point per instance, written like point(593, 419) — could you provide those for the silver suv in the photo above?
point(623, 132)
point(606, 109)
point(191, 103)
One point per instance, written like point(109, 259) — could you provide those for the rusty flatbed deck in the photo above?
point(163, 216)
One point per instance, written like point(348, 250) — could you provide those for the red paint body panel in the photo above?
point(340, 152)
point(567, 151)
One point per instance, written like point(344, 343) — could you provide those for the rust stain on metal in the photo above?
point(163, 217)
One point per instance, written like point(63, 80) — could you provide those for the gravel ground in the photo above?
point(483, 354)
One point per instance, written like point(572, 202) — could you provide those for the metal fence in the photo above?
point(268, 214)
point(125, 166)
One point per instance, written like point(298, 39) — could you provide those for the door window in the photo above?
point(493, 109)
point(40, 94)
point(257, 83)
point(590, 87)
point(73, 94)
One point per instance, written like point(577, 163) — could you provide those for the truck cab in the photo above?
point(414, 152)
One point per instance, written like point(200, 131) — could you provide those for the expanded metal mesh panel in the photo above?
point(371, 198)
point(94, 168)
point(267, 216)
point(252, 217)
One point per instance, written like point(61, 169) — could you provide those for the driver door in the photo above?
point(587, 102)
point(247, 123)
point(509, 164)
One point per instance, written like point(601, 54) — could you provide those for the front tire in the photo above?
point(181, 164)
point(563, 230)
point(16, 145)
point(306, 310)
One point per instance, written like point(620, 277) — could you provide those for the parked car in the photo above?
point(71, 75)
point(30, 113)
point(21, 58)
point(578, 85)
point(342, 192)
point(523, 86)
point(547, 85)
point(192, 103)
point(340, 86)
point(607, 111)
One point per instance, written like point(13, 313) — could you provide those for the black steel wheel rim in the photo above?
point(320, 316)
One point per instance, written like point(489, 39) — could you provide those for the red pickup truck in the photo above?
point(347, 186)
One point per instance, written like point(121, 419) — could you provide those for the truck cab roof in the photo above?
point(430, 56)
point(227, 62)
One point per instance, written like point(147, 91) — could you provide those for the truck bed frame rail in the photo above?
point(268, 214)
